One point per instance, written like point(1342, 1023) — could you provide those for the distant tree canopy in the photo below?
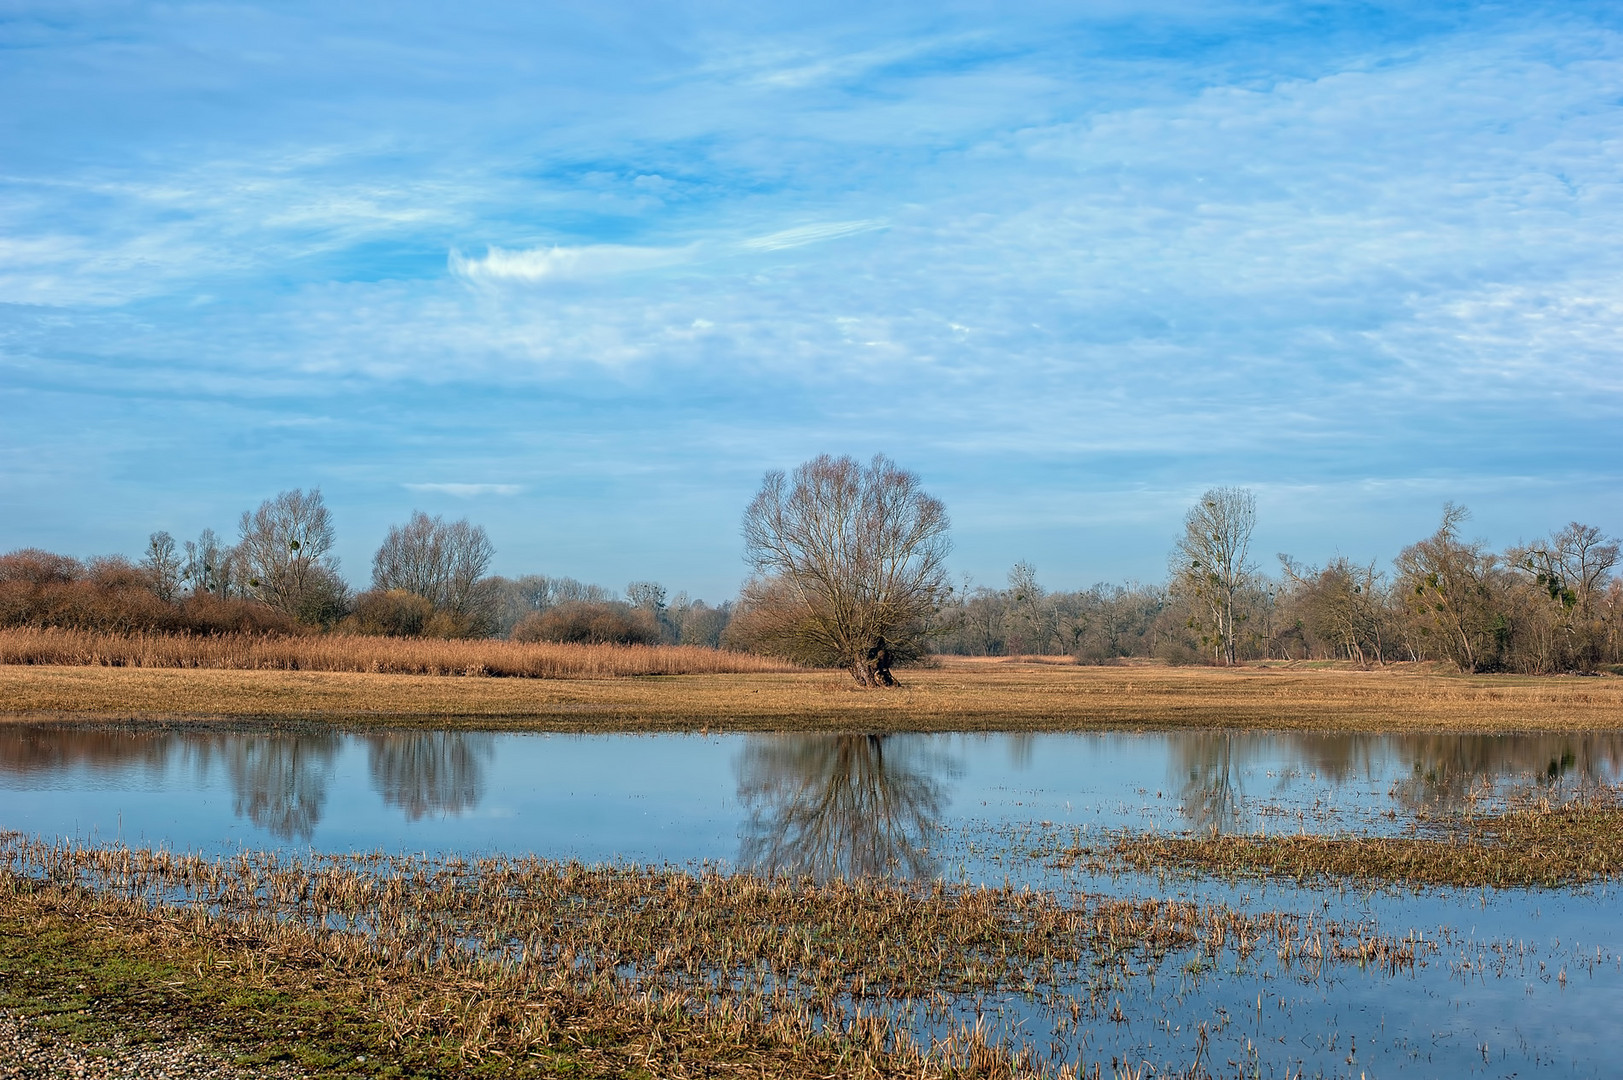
point(681, 621)
point(1549, 606)
point(40, 589)
point(850, 561)
point(429, 579)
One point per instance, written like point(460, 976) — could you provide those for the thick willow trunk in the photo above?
point(872, 668)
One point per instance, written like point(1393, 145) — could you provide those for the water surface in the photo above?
point(820, 804)
point(962, 807)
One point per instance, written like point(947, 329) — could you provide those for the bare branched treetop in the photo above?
point(850, 560)
point(443, 562)
point(285, 549)
point(1447, 583)
point(1210, 561)
point(1571, 565)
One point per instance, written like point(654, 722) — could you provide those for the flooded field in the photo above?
point(1097, 964)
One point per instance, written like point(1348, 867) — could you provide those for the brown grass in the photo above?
point(604, 969)
point(378, 655)
point(958, 696)
point(1544, 845)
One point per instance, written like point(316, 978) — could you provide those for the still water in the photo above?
point(960, 807)
point(820, 804)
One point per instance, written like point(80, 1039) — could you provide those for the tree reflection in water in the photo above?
point(429, 772)
point(280, 781)
point(832, 806)
point(1212, 797)
point(1447, 773)
point(27, 750)
point(1445, 770)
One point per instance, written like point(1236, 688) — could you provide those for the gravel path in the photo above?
point(28, 1053)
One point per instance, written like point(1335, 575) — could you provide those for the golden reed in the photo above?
point(356, 653)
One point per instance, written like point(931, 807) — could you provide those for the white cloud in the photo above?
point(553, 263)
point(1360, 257)
point(106, 236)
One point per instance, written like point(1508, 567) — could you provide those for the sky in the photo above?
point(583, 272)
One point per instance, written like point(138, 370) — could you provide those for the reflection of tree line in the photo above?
point(279, 782)
point(1445, 769)
point(828, 806)
point(822, 805)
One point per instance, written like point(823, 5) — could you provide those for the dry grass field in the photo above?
point(957, 696)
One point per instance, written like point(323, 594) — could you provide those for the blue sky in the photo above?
point(582, 273)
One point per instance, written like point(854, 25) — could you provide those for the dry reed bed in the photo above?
point(519, 957)
point(356, 653)
point(1542, 845)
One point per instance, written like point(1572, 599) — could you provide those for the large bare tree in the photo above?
point(1572, 567)
point(850, 559)
point(1210, 562)
point(1451, 588)
point(285, 548)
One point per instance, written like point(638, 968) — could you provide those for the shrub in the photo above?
point(398, 613)
point(31, 566)
point(206, 613)
point(607, 623)
point(389, 613)
point(113, 595)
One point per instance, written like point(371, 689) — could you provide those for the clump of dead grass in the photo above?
point(1542, 845)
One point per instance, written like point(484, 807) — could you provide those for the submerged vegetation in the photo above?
point(1540, 845)
point(839, 953)
point(526, 965)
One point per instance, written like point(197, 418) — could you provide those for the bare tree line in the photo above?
point(1552, 605)
point(430, 578)
point(849, 562)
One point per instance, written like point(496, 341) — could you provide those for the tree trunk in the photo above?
point(872, 668)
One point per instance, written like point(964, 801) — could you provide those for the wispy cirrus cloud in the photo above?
point(817, 233)
point(1034, 255)
point(465, 491)
point(580, 262)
